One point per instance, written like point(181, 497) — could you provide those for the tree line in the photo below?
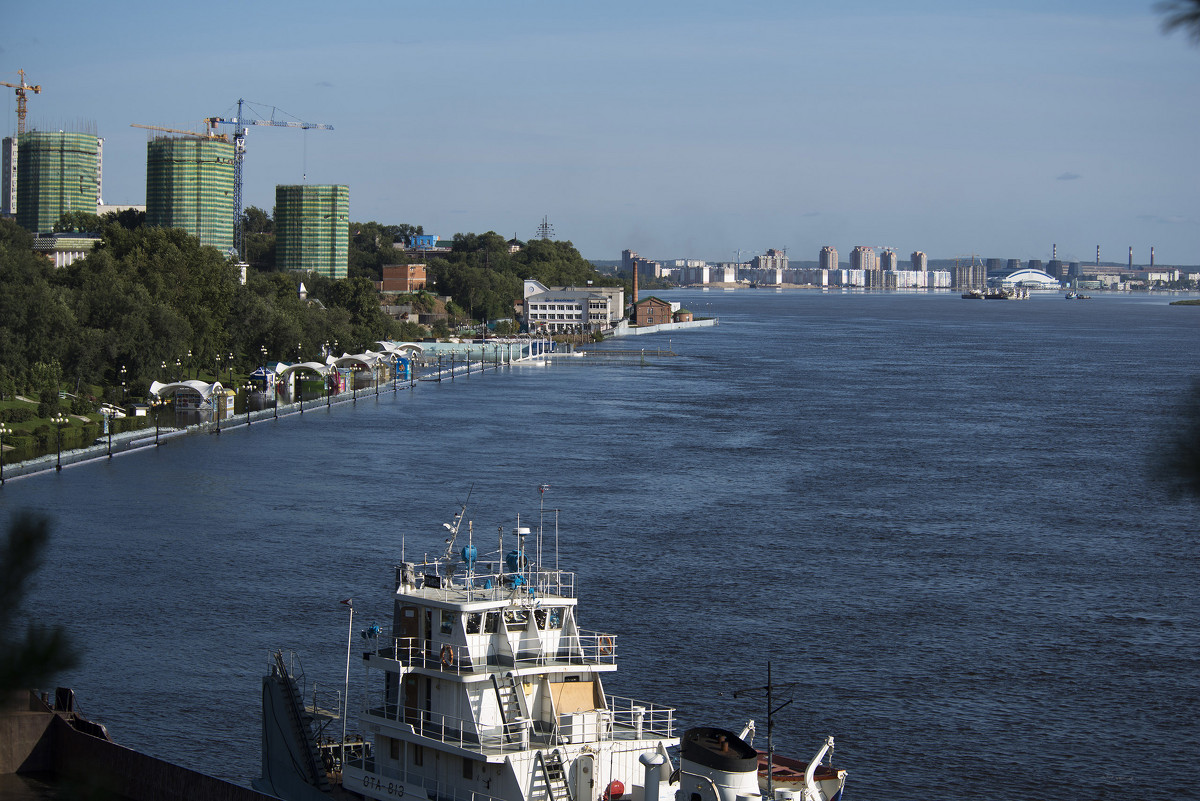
point(146, 298)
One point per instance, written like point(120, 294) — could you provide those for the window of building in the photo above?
point(449, 619)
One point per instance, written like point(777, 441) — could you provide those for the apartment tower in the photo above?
point(57, 172)
point(189, 185)
point(312, 228)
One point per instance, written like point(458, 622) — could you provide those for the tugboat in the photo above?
point(487, 687)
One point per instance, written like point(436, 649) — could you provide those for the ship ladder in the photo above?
point(301, 726)
point(513, 717)
point(555, 777)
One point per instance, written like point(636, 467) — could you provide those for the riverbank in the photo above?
point(134, 441)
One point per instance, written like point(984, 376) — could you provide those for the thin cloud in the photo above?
point(1069, 176)
point(1169, 219)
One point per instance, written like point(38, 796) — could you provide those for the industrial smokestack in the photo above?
point(1131, 257)
point(635, 281)
point(1097, 255)
point(1054, 252)
point(1152, 257)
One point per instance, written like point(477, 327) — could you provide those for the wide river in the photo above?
point(936, 518)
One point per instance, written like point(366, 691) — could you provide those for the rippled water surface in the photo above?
point(931, 515)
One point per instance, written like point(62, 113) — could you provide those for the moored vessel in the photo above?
point(488, 687)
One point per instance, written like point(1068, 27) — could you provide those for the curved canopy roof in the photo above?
point(1031, 276)
point(316, 367)
point(390, 347)
point(202, 388)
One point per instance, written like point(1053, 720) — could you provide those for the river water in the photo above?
point(934, 517)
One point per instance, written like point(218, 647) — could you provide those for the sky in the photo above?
point(695, 129)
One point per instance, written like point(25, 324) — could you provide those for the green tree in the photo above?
point(1182, 14)
point(79, 222)
point(28, 659)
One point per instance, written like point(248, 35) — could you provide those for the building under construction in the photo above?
point(189, 185)
point(312, 229)
point(57, 172)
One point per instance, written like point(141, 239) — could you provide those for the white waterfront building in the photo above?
point(558, 309)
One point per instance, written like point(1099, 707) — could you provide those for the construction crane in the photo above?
point(239, 153)
point(207, 135)
point(21, 87)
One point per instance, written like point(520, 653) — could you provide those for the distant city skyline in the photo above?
point(681, 130)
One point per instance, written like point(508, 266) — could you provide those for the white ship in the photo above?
point(488, 688)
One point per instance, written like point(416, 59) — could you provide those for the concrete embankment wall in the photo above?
point(102, 764)
point(627, 330)
point(35, 739)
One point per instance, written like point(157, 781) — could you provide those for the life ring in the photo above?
point(606, 645)
point(448, 655)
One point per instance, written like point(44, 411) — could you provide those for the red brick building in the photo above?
point(403, 277)
point(652, 311)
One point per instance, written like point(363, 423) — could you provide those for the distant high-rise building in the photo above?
point(863, 258)
point(920, 262)
point(888, 259)
point(771, 260)
point(57, 172)
point(8, 180)
point(189, 185)
point(829, 258)
point(312, 228)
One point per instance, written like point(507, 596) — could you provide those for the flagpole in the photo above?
point(346, 693)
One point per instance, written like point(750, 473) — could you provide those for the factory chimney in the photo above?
point(635, 282)
point(1131, 257)
point(1097, 255)
point(1152, 257)
point(1054, 252)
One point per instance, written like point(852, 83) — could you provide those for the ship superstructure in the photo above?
point(488, 687)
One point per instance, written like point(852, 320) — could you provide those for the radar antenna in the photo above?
point(453, 529)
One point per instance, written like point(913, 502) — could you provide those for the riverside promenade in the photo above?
point(445, 361)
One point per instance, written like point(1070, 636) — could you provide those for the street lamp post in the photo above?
point(59, 420)
point(3, 430)
point(231, 367)
point(154, 407)
point(112, 421)
point(178, 369)
point(123, 375)
point(247, 387)
point(217, 398)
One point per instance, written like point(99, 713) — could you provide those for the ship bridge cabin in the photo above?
point(491, 686)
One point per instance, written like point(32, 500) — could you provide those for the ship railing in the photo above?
point(623, 719)
point(514, 736)
point(585, 648)
point(640, 718)
point(486, 581)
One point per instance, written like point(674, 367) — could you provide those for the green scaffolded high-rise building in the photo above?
point(312, 229)
point(57, 172)
point(189, 185)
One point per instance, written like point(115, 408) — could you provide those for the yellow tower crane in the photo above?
point(21, 87)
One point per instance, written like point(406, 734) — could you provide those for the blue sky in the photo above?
point(680, 130)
